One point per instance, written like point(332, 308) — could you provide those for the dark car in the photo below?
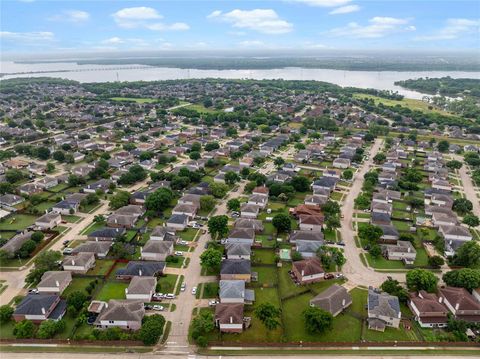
point(91, 320)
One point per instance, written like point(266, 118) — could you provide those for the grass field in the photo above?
point(167, 284)
point(112, 290)
point(134, 99)
point(77, 285)
point(17, 222)
point(201, 108)
point(406, 102)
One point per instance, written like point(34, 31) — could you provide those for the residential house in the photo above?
point(160, 233)
point(258, 200)
point(234, 291)
point(249, 210)
point(66, 207)
point(141, 269)
point(460, 303)
point(229, 317)
point(402, 250)
point(309, 222)
point(389, 233)
point(156, 250)
point(100, 185)
point(334, 300)
point(238, 250)
point(99, 248)
point(107, 234)
point(16, 242)
point(10, 200)
point(178, 222)
point(40, 307)
point(48, 220)
point(186, 209)
point(80, 263)
point(241, 235)
point(254, 224)
point(141, 288)
point(328, 183)
point(124, 314)
point(54, 282)
point(308, 270)
point(383, 310)
point(428, 309)
point(341, 163)
point(455, 233)
point(47, 182)
point(30, 188)
point(236, 269)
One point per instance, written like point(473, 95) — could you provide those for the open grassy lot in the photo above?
point(92, 227)
point(263, 256)
point(166, 284)
point(112, 290)
point(17, 222)
point(409, 103)
point(210, 290)
point(201, 108)
point(267, 276)
point(390, 334)
point(71, 218)
point(78, 285)
point(382, 263)
point(102, 266)
point(188, 234)
point(44, 206)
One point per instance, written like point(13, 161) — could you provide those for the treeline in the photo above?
point(18, 84)
point(445, 86)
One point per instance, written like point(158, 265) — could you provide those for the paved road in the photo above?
point(356, 272)
point(468, 186)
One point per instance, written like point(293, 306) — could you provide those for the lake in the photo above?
point(380, 80)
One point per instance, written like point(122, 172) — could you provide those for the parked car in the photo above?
point(65, 243)
point(329, 276)
point(158, 307)
point(148, 307)
point(179, 254)
point(33, 291)
point(183, 243)
point(67, 251)
point(341, 243)
point(213, 303)
point(158, 297)
point(194, 290)
point(169, 296)
point(91, 320)
point(183, 286)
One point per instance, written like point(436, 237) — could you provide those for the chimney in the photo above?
point(231, 320)
point(440, 299)
point(457, 306)
point(57, 283)
point(140, 272)
point(303, 272)
point(44, 311)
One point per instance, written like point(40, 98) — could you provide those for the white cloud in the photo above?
point(265, 21)
point(313, 45)
point(453, 29)
point(145, 17)
point(251, 43)
point(113, 41)
point(75, 16)
point(27, 37)
point(345, 10)
point(323, 3)
point(379, 26)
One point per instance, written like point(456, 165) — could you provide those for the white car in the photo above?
point(194, 290)
point(183, 286)
point(158, 307)
point(213, 303)
point(68, 250)
point(169, 296)
point(183, 243)
point(179, 254)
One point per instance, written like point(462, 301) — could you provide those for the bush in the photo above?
point(6, 313)
point(152, 329)
point(24, 329)
point(49, 328)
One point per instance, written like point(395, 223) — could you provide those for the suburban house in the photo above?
point(141, 288)
point(156, 250)
point(238, 250)
point(49, 220)
point(233, 291)
point(80, 263)
point(124, 314)
point(54, 282)
point(442, 219)
point(317, 199)
point(333, 299)
point(229, 317)
point(455, 233)
point(258, 200)
point(236, 269)
point(460, 303)
point(341, 163)
point(16, 242)
point(381, 208)
point(160, 233)
point(249, 210)
point(383, 310)
point(11, 200)
point(389, 233)
point(99, 248)
point(241, 235)
point(141, 269)
point(306, 236)
point(327, 183)
point(47, 182)
point(402, 250)
point(188, 210)
point(429, 310)
point(254, 224)
point(66, 207)
point(308, 222)
point(101, 185)
point(308, 270)
point(107, 234)
point(178, 221)
point(40, 307)
point(261, 191)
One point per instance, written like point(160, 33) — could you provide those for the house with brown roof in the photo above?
point(461, 303)
point(429, 309)
point(261, 191)
point(254, 224)
point(311, 222)
point(229, 317)
point(241, 235)
point(333, 300)
point(305, 209)
point(308, 270)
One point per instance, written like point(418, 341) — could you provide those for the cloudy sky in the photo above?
point(43, 26)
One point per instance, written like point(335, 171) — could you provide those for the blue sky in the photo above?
point(53, 26)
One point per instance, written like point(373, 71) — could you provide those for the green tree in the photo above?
point(50, 167)
point(13, 175)
point(331, 208)
point(211, 259)
point(421, 279)
point(119, 199)
point(443, 146)
point(300, 183)
point(317, 321)
point(462, 205)
point(282, 222)
point(347, 174)
point(393, 287)
point(219, 190)
point(152, 329)
point(233, 204)
point(370, 232)
point(332, 223)
point(379, 158)
point(436, 261)
point(278, 162)
point(218, 226)
point(37, 237)
point(454, 164)
point(207, 202)
point(465, 278)
point(48, 328)
point(471, 220)
point(159, 200)
point(202, 324)
point(194, 155)
point(467, 255)
point(268, 314)
point(44, 261)
point(375, 251)
point(24, 329)
point(6, 313)
point(362, 202)
point(231, 177)
point(77, 300)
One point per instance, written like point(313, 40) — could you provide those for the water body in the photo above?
point(380, 80)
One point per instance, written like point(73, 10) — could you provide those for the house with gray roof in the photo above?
point(124, 314)
point(11, 200)
point(178, 222)
point(254, 224)
point(54, 282)
point(334, 300)
point(308, 249)
point(80, 263)
point(241, 235)
point(236, 269)
point(99, 248)
point(107, 234)
point(156, 250)
point(16, 242)
point(402, 251)
point(238, 250)
point(383, 310)
point(49, 220)
point(40, 307)
point(141, 288)
point(233, 291)
point(141, 269)
point(160, 233)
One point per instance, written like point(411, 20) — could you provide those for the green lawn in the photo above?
point(382, 263)
point(71, 218)
point(78, 285)
point(166, 284)
point(102, 266)
point(402, 226)
point(210, 290)
point(44, 206)
point(6, 330)
point(92, 227)
point(112, 290)
point(188, 234)
point(59, 187)
point(390, 334)
point(17, 222)
point(267, 276)
point(263, 256)
point(177, 264)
